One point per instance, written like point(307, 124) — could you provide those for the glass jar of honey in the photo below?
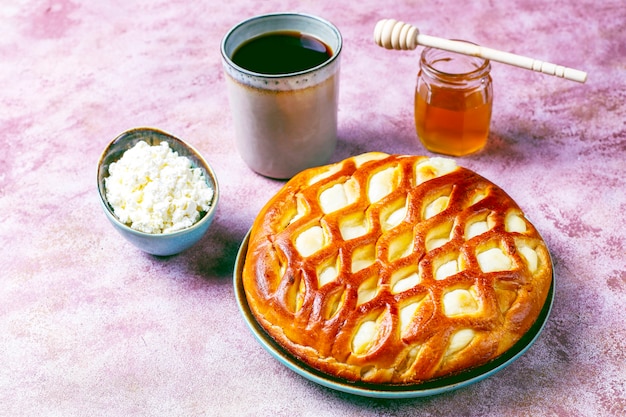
point(453, 100)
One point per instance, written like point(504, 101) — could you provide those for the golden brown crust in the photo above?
point(394, 300)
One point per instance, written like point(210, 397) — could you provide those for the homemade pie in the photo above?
point(393, 269)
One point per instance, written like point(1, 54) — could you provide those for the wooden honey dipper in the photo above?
point(392, 34)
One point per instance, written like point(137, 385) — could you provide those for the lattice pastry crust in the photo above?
point(394, 269)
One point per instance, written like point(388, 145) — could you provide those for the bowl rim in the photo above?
point(137, 134)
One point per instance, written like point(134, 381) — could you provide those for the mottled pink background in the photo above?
point(91, 326)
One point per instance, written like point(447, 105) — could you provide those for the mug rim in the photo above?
point(250, 20)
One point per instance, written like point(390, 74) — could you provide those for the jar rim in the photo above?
point(430, 56)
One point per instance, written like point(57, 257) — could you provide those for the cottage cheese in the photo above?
point(154, 190)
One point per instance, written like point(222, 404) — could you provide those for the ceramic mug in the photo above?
point(283, 122)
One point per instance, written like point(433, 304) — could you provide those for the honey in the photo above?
point(453, 102)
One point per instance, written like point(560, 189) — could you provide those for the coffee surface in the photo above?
point(282, 52)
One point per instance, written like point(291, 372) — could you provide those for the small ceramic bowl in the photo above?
point(157, 244)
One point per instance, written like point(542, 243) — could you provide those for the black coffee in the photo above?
point(281, 53)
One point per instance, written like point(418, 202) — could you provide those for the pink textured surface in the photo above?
point(91, 326)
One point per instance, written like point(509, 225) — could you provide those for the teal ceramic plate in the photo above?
point(435, 387)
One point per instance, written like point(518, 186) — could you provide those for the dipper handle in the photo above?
point(392, 34)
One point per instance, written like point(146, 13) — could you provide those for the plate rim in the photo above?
point(430, 388)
